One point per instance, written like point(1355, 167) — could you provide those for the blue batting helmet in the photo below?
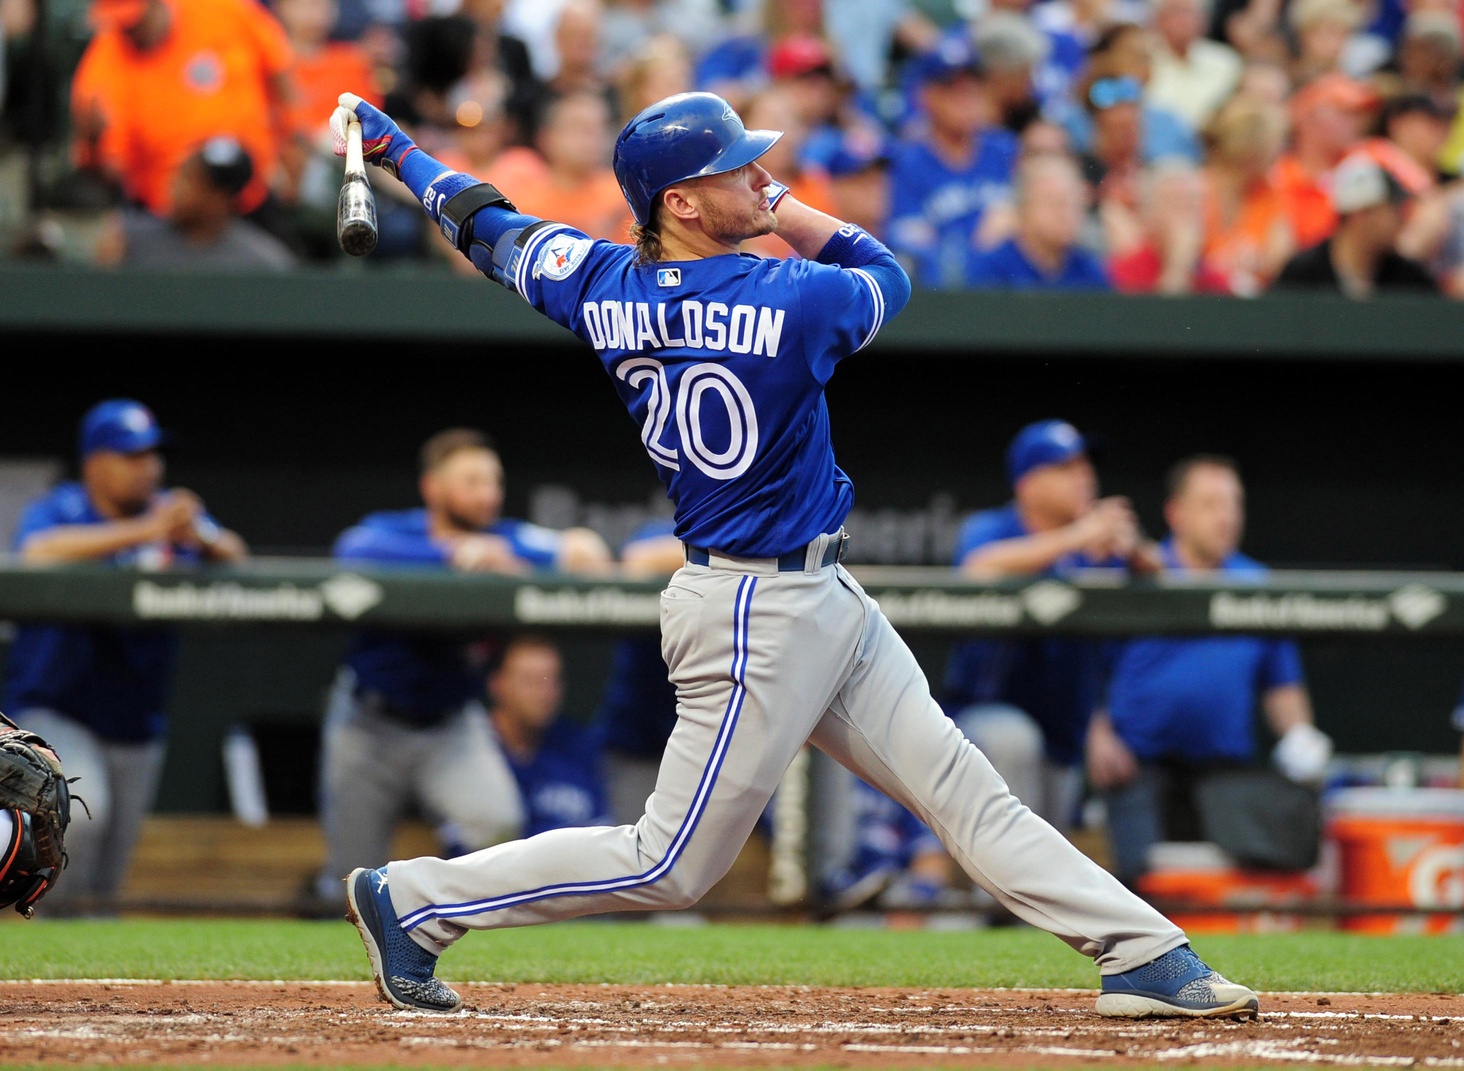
point(686, 136)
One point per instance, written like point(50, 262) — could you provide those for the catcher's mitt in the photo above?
point(33, 789)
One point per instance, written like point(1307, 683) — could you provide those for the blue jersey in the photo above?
point(1054, 680)
point(115, 681)
point(1006, 266)
point(638, 710)
point(423, 677)
point(937, 207)
point(1194, 697)
point(887, 836)
point(722, 364)
point(562, 784)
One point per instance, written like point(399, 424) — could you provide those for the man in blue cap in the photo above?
point(99, 694)
point(857, 163)
point(1026, 703)
point(949, 177)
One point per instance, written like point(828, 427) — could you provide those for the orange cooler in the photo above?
point(1221, 897)
point(1400, 847)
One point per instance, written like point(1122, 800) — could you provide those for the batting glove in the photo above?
point(382, 141)
point(1303, 753)
point(775, 191)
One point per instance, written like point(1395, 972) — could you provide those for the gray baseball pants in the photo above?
point(762, 662)
point(118, 781)
point(375, 771)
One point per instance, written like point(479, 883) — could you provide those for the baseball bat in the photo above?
point(356, 209)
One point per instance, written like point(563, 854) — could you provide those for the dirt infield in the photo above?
point(310, 1023)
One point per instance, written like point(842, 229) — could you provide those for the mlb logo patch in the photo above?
point(668, 276)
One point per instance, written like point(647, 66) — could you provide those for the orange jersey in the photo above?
point(1306, 199)
point(1239, 250)
point(595, 206)
point(210, 75)
point(319, 79)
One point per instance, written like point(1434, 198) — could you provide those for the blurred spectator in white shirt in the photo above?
point(1193, 75)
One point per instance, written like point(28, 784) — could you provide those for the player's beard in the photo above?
point(463, 523)
point(731, 228)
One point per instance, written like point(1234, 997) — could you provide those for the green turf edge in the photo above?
point(641, 954)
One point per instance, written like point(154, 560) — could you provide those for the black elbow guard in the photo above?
point(456, 217)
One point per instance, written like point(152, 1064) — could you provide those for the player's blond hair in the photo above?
point(647, 240)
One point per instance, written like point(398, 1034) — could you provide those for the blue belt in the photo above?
point(795, 561)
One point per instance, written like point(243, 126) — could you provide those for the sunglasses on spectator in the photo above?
point(1106, 92)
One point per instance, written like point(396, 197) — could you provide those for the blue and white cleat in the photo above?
point(1176, 985)
point(401, 967)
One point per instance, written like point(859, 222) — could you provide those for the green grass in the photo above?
point(637, 953)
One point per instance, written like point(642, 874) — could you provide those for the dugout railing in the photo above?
point(315, 593)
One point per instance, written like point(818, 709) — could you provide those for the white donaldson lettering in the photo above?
point(624, 314)
point(591, 314)
point(667, 339)
point(637, 326)
point(740, 330)
point(716, 329)
point(644, 331)
point(691, 323)
point(769, 331)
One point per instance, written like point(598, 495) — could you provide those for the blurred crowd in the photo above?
point(1144, 146)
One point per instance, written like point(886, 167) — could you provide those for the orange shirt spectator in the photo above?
point(1327, 117)
point(1249, 248)
point(594, 205)
point(323, 68)
point(162, 76)
point(318, 81)
point(1247, 231)
point(1308, 198)
point(569, 179)
point(1307, 203)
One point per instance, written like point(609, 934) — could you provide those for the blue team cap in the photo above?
point(1047, 442)
point(951, 57)
point(846, 152)
point(121, 426)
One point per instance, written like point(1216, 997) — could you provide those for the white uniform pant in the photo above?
point(763, 661)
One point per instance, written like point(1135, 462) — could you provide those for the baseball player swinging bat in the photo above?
point(356, 209)
point(771, 644)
